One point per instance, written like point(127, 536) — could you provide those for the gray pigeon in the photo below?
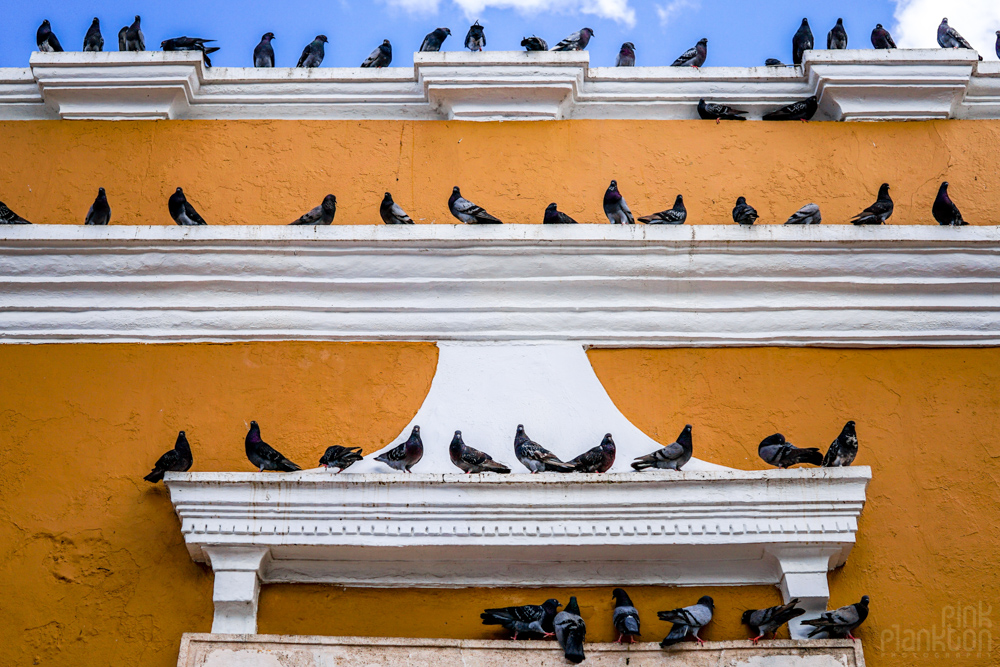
point(687, 621)
point(571, 631)
point(475, 39)
point(134, 39)
point(263, 456)
point(615, 207)
point(837, 37)
point(186, 43)
point(8, 217)
point(625, 617)
point(672, 216)
point(948, 37)
point(719, 112)
point(182, 211)
point(100, 211)
point(693, 57)
point(340, 457)
point(576, 42)
point(842, 450)
point(944, 210)
point(467, 212)
point(626, 55)
point(744, 213)
point(93, 40)
point(777, 451)
point(997, 47)
point(807, 215)
point(802, 110)
point(122, 46)
point(312, 55)
point(529, 619)
point(672, 457)
point(774, 62)
point(434, 39)
point(842, 622)
point(380, 57)
point(391, 212)
point(405, 455)
point(596, 459)
point(263, 53)
point(802, 41)
point(534, 44)
point(553, 216)
point(877, 213)
point(881, 39)
point(178, 459)
point(321, 215)
point(767, 621)
point(46, 39)
point(536, 458)
point(472, 460)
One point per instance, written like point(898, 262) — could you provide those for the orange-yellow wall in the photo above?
point(265, 172)
point(94, 569)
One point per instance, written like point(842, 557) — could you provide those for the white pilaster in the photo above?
point(803, 571)
point(238, 572)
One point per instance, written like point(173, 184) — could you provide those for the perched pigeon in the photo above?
point(434, 39)
point(46, 39)
point(596, 459)
point(998, 44)
point(687, 620)
point(555, 217)
point(467, 212)
point(881, 39)
point(842, 450)
point(744, 213)
point(475, 39)
point(807, 215)
point(534, 44)
point(576, 42)
point(615, 207)
point(626, 55)
point(312, 55)
point(533, 619)
point(878, 212)
point(190, 44)
point(122, 46)
point(672, 216)
point(263, 53)
point(178, 459)
point(777, 451)
point(8, 217)
point(471, 459)
point(571, 631)
point(767, 621)
point(717, 112)
point(948, 37)
point(321, 215)
point(672, 457)
point(774, 62)
point(391, 212)
point(404, 455)
point(93, 40)
point(182, 211)
point(263, 455)
point(802, 110)
point(536, 458)
point(100, 211)
point(802, 41)
point(837, 37)
point(693, 57)
point(944, 210)
point(134, 39)
point(625, 617)
point(339, 457)
point(842, 622)
point(380, 57)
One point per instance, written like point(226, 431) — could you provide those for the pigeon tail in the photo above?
point(677, 633)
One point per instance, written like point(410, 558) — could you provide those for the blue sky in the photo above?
point(740, 33)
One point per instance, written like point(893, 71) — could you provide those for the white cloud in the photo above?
point(616, 10)
point(977, 21)
point(668, 11)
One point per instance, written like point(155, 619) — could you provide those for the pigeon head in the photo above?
point(679, 202)
point(385, 42)
point(883, 190)
point(267, 36)
point(96, 21)
point(621, 598)
point(588, 31)
point(703, 41)
point(550, 207)
point(321, 38)
point(387, 198)
point(707, 601)
point(415, 431)
point(864, 601)
point(520, 429)
point(45, 23)
point(551, 606)
point(805, 21)
point(745, 618)
point(100, 192)
point(608, 441)
point(614, 185)
point(137, 19)
point(840, 22)
point(741, 200)
point(181, 434)
point(628, 46)
point(878, 26)
point(443, 31)
point(328, 200)
point(776, 439)
point(944, 21)
point(179, 191)
point(573, 607)
point(254, 434)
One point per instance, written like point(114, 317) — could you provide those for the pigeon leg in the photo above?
point(853, 638)
point(631, 639)
point(515, 635)
point(756, 639)
point(621, 636)
point(546, 635)
point(261, 469)
point(718, 120)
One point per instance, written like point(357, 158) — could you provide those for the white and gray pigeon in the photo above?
point(837, 37)
point(536, 458)
point(46, 39)
point(8, 217)
point(467, 212)
point(802, 41)
point(597, 459)
point(767, 621)
point(571, 631)
point(471, 460)
point(575, 42)
point(693, 57)
point(392, 213)
point(687, 621)
point(434, 39)
point(949, 38)
point(313, 54)
point(877, 213)
point(807, 215)
point(534, 43)
point(802, 110)
point(340, 457)
point(475, 39)
point(672, 457)
point(842, 622)
point(321, 215)
point(405, 455)
point(182, 211)
point(775, 450)
point(529, 619)
point(615, 207)
point(380, 57)
point(844, 449)
point(263, 53)
point(100, 210)
point(134, 39)
point(93, 40)
point(744, 213)
point(672, 216)
point(626, 55)
point(625, 617)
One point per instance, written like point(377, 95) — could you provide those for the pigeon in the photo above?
point(744, 213)
point(536, 458)
point(997, 47)
point(121, 39)
point(467, 212)
point(554, 217)
point(134, 39)
point(93, 40)
point(615, 207)
point(840, 622)
point(8, 217)
point(190, 44)
point(948, 37)
point(767, 621)
point(626, 55)
point(263, 53)
point(404, 455)
point(881, 39)
point(391, 212)
point(434, 39)
point(182, 211)
point(717, 112)
point(472, 460)
point(100, 212)
point(774, 62)
point(380, 57)
point(672, 216)
point(944, 210)
point(877, 213)
point(687, 620)
point(339, 457)
point(807, 215)
point(693, 57)
point(576, 42)
point(46, 39)
point(625, 617)
point(263, 455)
point(178, 459)
point(321, 215)
point(837, 37)
point(672, 457)
point(802, 110)
point(534, 44)
point(312, 55)
point(802, 41)
point(842, 450)
point(596, 459)
point(535, 619)
point(776, 451)
point(475, 39)
point(571, 631)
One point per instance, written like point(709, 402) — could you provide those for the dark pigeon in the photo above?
point(717, 112)
point(626, 55)
point(596, 459)
point(467, 212)
point(530, 619)
point(380, 57)
point(471, 460)
point(404, 455)
point(842, 450)
point(575, 42)
point(190, 44)
point(998, 44)
point(182, 211)
point(672, 216)
point(122, 46)
point(881, 39)
point(556, 217)
point(774, 62)
point(842, 622)
point(263, 53)
point(263, 456)
point(100, 211)
point(339, 457)
point(475, 39)
point(625, 617)
point(767, 621)
point(693, 57)
point(776, 451)
point(837, 37)
point(534, 44)
point(687, 621)
point(94, 40)
point(536, 458)
point(944, 210)
point(802, 110)
point(615, 207)
point(877, 213)
point(744, 213)
point(8, 217)
point(321, 215)
point(134, 39)
point(807, 215)
point(571, 631)
point(391, 212)
point(46, 39)
point(802, 41)
point(178, 459)
point(312, 55)
point(672, 457)
point(434, 39)
point(948, 37)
